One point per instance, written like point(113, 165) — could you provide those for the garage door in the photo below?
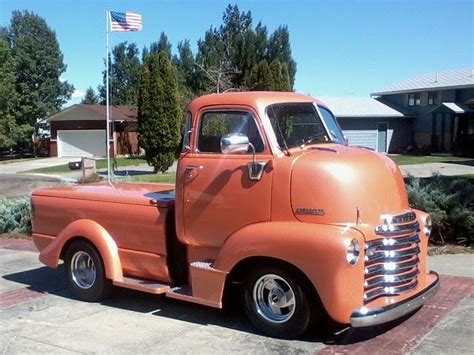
point(84, 143)
point(362, 138)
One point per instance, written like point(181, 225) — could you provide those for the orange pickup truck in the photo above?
point(270, 202)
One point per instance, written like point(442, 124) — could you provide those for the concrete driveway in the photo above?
point(29, 164)
point(16, 185)
point(38, 315)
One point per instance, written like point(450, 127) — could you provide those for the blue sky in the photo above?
point(342, 48)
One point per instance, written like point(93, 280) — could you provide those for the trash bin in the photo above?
point(74, 165)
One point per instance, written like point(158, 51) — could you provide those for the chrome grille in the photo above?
point(391, 262)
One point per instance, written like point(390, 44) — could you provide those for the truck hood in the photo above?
point(335, 184)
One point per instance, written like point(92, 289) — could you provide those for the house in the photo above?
point(442, 107)
point(369, 123)
point(80, 130)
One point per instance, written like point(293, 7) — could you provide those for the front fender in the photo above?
point(319, 251)
point(96, 235)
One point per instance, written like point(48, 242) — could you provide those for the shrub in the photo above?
point(15, 215)
point(450, 202)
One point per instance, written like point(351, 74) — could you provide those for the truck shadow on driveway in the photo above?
point(49, 281)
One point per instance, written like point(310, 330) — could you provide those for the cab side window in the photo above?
point(215, 124)
point(186, 131)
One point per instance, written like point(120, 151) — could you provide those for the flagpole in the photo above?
point(107, 20)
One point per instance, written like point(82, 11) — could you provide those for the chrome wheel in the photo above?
point(274, 298)
point(83, 270)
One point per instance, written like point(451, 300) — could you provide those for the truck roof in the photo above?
point(251, 98)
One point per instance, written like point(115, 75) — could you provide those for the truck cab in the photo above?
point(268, 197)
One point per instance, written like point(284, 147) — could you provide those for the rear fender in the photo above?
point(96, 235)
point(318, 251)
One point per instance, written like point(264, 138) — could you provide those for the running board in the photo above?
point(207, 285)
point(185, 293)
point(149, 286)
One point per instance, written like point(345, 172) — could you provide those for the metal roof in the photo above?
point(359, 107)
point(453, 107)
point(458, 78)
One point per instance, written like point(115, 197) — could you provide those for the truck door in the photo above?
point(218, 195)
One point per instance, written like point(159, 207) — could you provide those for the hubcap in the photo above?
point(83, 270)
point(274, 298)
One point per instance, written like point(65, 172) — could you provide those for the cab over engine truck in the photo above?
point(269, 196)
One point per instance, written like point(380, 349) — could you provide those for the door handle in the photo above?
point(192, 171)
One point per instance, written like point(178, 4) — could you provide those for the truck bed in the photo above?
point(127, 193)
point(134, 215)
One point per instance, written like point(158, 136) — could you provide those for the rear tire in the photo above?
point(275, 302)
point(85, 272)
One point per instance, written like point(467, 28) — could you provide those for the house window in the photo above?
point(414, 99)
point(432, 96)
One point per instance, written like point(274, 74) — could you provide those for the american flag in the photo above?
point(125, 21)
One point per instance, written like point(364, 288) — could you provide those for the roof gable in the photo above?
point(85, 112)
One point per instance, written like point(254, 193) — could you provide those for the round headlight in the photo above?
point(353, 252)
point(428, 226)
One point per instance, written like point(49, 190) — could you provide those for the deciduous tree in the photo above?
point(124, 75)
point(38, 67)
point(11, 135)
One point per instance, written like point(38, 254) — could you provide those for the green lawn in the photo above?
point(415, 159)
point(100, 164)
point(166, 178)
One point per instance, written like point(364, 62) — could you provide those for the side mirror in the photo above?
point(346, 140)
point(235, 143)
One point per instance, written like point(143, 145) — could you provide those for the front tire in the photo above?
point(275, 302)
point(85, 272)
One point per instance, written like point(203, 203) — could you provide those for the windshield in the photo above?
point(296, 125)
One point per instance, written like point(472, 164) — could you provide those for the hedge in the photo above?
point(450, 202)
point(15, 215)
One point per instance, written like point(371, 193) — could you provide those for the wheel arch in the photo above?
point(91, 232)
point(317, 251)
point(240, 270)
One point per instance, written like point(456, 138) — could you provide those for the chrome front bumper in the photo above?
point(366, 318)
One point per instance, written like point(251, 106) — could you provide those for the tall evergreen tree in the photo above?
point(162, 46)
point(159, 113)
point(124, 75)
point(235, 25)
point(286, 81)
point(38, 66)
point(90, 97)
point(228, 58)
point(261, 41)
point(279, 48)
point(186, 72)
point(261, 78)
point(281, 78)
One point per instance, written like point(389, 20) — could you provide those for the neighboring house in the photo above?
point(368, 123)
point(79, 131)
point(443, 108)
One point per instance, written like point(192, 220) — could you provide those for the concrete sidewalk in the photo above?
point(37, 314)
point(430, 169)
